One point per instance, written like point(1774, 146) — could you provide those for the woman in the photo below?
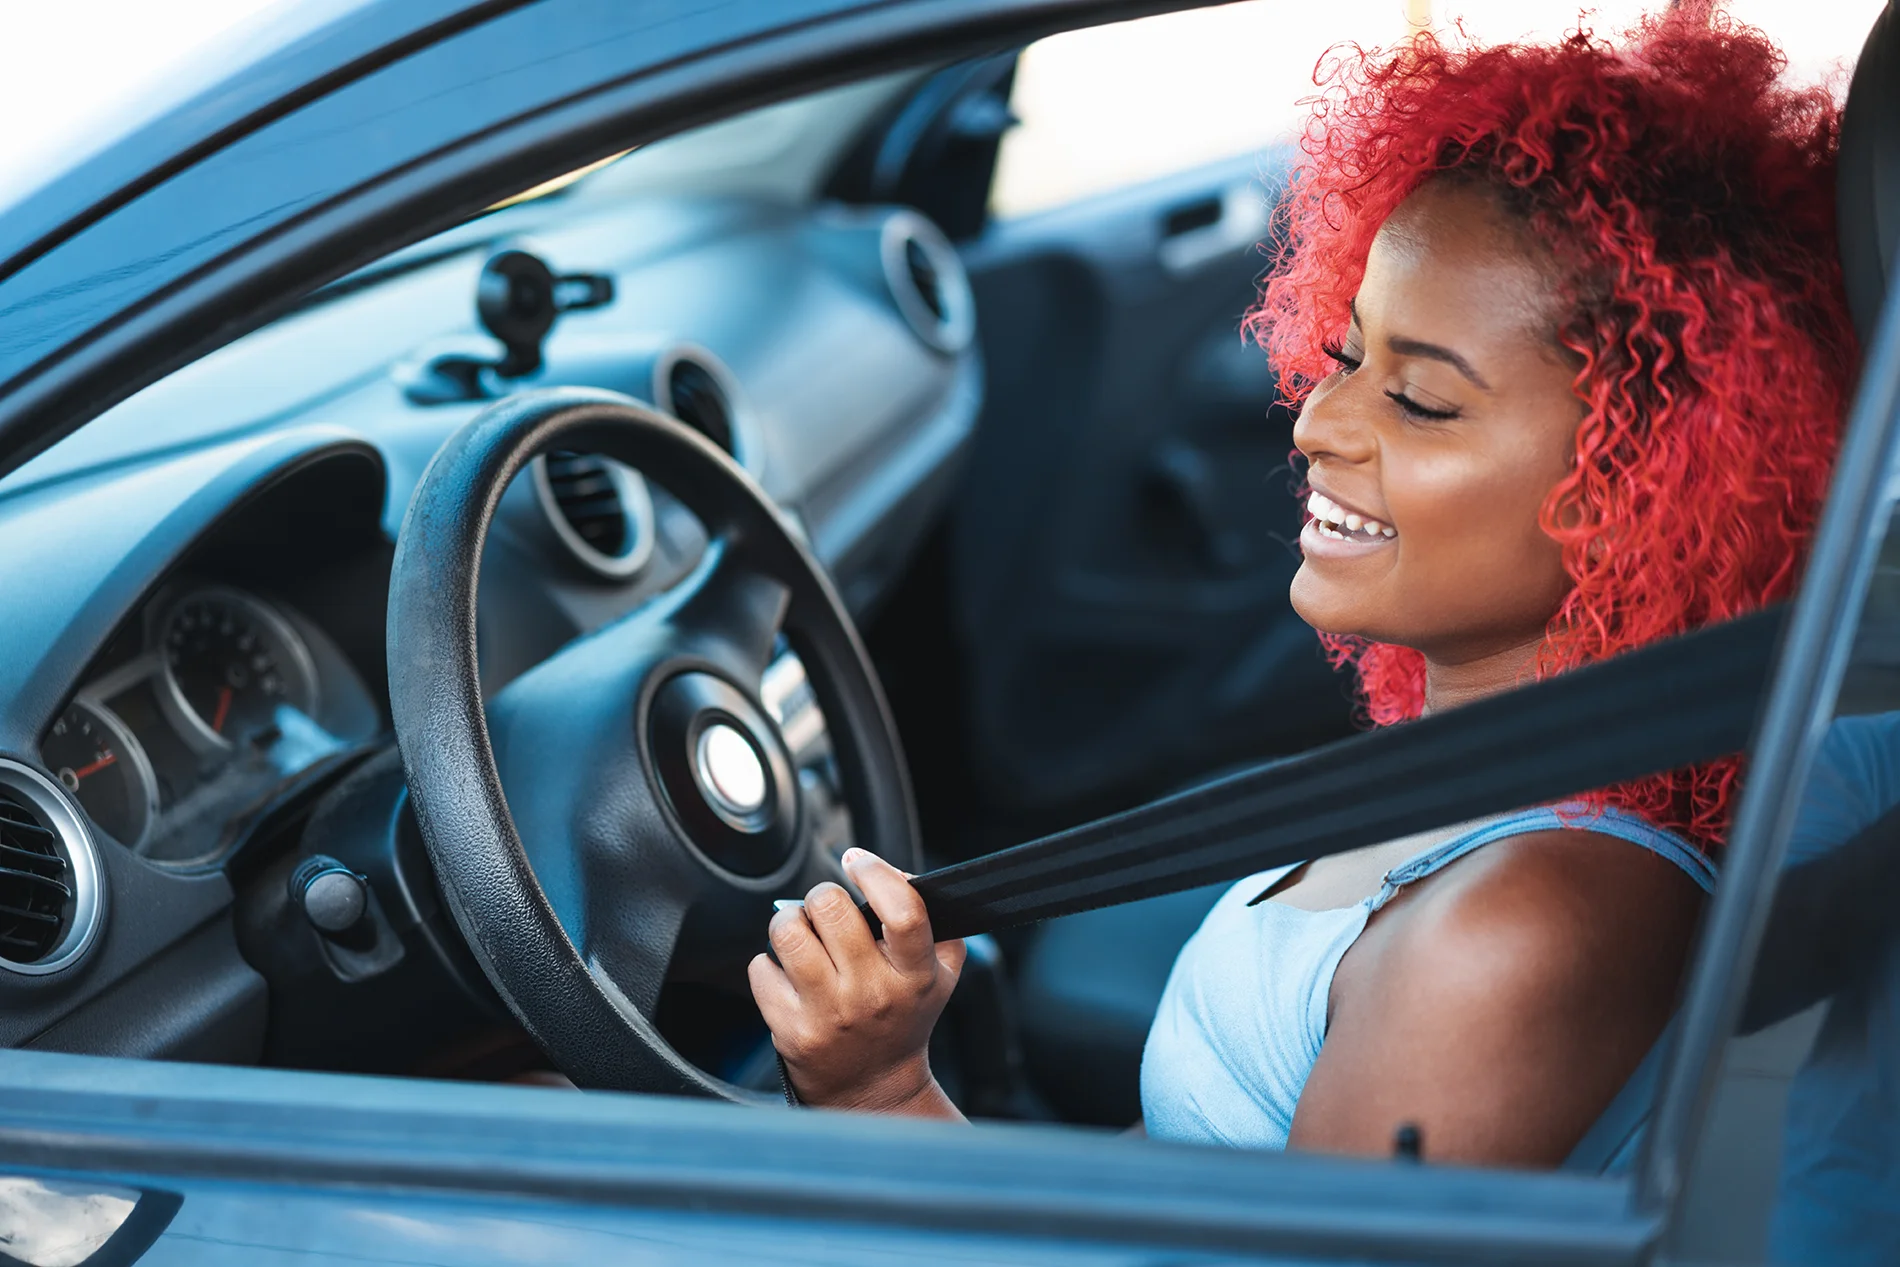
point(1565, 331)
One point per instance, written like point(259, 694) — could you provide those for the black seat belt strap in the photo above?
point(1669, 705)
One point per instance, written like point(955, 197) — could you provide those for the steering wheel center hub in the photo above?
point(726, 773)
point(731, 772)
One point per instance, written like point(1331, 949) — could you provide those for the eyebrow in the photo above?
point(1430, 351)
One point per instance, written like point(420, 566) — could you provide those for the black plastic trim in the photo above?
point(199, 1000)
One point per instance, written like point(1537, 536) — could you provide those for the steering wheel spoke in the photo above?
point(631, 944)
point(734, 610)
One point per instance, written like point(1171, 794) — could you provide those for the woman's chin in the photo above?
point(1324, 604)
point(1335, 590)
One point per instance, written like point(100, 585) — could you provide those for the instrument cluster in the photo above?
point(226, 697)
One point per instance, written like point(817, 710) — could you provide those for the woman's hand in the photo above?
point(852, 1016)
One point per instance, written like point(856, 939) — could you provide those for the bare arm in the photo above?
point(1501, 1009)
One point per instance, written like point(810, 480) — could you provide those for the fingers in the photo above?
point(907, 938)
point(772, 991)
point(841, 927)
point(800, 952)
point(950, 954)
point(851, 1016)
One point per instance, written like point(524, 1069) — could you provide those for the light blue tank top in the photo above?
point(1244, 1012)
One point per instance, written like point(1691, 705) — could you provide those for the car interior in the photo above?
point(1041, 472)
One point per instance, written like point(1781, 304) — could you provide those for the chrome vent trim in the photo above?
point(50, 897)
point(927, 282)
point(600, 510)
point(695, 387)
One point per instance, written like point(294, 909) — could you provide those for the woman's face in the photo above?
point(1450, 418)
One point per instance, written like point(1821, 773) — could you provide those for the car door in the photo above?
point(1118, 558)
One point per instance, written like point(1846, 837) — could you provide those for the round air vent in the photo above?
point(49, 875)
point(927, 282)
point(599, 508)
point(695, 387)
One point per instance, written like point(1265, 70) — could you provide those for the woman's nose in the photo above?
point(1331, 424)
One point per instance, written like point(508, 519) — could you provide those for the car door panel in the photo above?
point(1128, 528)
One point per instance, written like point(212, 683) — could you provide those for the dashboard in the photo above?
point(201, 666)
point(226, 696)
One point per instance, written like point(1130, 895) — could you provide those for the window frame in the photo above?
point(1796, 711)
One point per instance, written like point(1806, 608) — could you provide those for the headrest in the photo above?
point(1868, 196)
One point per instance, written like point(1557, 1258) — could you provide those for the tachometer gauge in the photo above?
point(102, 765)
point(230, 662)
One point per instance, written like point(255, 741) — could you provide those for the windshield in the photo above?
point(325, 353)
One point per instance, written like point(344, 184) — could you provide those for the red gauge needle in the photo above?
point(224, 709)
point(96, 766)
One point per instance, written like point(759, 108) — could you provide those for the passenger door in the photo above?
point(1119, 556)
point(1127, 528)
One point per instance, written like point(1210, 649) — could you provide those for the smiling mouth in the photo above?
point(1332, 520)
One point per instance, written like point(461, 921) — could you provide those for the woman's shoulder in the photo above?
point(1536, 971)
point(1557, 915)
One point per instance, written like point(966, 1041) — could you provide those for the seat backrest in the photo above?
point(1867, 209)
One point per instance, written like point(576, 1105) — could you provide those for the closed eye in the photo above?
point(1347, 361)
point(1411, 408)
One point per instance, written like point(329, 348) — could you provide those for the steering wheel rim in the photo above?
point(567, 925)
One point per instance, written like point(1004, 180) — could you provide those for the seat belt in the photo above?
point(1672, 704)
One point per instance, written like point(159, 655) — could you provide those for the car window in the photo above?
point(1112, 106)
point(1115, 105)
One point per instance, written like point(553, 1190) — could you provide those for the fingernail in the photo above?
point(853, 856)
point(788, 904)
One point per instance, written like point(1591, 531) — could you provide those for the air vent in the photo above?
point(924, 279)
point(695, 387)
point(697, 401)
point(36, 893)
point(49, 875)
point(927, 282)
point(599, 509)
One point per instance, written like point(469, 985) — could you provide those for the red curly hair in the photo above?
point(1687, 198)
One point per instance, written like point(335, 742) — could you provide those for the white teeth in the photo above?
point(1330, 517)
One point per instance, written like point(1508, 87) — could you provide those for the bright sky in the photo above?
point(72, 63)
point(1112, 105)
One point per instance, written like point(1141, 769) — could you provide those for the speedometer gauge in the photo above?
point(230, 662)
point(101, 764)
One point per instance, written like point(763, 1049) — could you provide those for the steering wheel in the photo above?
point(626, 809)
